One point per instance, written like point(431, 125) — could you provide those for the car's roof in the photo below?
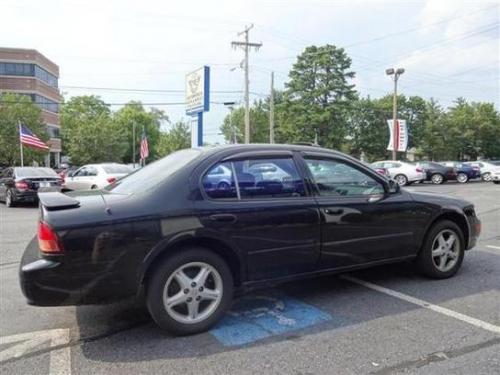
point(264, 147)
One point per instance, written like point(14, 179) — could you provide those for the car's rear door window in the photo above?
point(268, 178)
point(219, 183)
point(257, 178)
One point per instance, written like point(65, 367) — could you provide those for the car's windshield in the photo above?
point(151, 175)
point(35, 172)
point(117, 168)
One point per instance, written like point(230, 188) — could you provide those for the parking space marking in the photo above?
point(493, 247)
point(23, 343)
point(260, 316)
point(427, 305)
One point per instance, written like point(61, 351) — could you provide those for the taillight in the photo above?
point(419, 170)
point(111, 179)
point(47, 239)
point(22, 185)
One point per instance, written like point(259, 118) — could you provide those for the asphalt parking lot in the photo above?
point(384, 320)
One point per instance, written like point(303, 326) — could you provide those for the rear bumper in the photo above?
point(57, 282)
point(25, 196)
point(41, 280)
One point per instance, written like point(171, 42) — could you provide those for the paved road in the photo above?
point(384, 320)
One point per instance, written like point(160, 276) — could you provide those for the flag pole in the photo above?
point(20, 143)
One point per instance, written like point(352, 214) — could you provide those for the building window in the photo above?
point(53, 131)
point(28, 70)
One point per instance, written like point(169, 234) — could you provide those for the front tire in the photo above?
point(486, 176)
point(190, 291)
point(9, 199)
point(462, 178)
point(443, 251)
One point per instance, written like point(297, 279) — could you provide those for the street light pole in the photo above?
point(396, 73)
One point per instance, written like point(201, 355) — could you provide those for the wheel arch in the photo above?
point(165, 250)
point(453, 216)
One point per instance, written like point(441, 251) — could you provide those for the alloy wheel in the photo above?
point(487, 176)
point(401, 180)
point(462, 178)
point(192, 292)
point(437, 179)
point(445, 250)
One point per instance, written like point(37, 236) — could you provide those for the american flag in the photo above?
point(31, 140)
point(144, 146)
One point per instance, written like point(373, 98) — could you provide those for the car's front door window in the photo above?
point(333, 177)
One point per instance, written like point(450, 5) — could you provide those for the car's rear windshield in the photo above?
point(118, 168)
point(150, 176)
point(35, 172)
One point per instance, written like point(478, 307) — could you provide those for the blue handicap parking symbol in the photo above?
point(256, 317)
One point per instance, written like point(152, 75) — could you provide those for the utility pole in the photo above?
point(246, 47)
point(271, 111)
point(395, 128)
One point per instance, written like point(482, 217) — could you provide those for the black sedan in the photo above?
point(21, 184)
point(438, 173)
point(176, 236)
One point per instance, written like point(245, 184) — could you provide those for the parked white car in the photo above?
point(485, 167)
point(495, 175)
point(401, 172)
point(96, 176)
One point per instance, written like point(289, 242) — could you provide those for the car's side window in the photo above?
point(91, 171)
point(254, 179)
point(336, 178)
point(268, 178)
point(218, 182)
point(80, 172)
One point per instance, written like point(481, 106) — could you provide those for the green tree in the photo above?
point(317, 97)
point(15, 109)
point(367, 130)
point(89, 134)
point(234, 123)
point(435, 142)
point(474, 129)
point(177, 138)
point(150, 121)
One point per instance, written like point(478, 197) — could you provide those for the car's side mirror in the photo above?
point(393, 187)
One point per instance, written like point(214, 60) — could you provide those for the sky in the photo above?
point(449, 48)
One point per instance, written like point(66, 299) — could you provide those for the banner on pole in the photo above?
point(401, 135)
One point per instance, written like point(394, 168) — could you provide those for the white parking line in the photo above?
point(24, 343)
point(453, 314)
point(493, 247)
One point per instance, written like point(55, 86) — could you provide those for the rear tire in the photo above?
point(437, 179)
point(436, 258)
point(401, 179)
point(462, 178)
point(196, 304)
